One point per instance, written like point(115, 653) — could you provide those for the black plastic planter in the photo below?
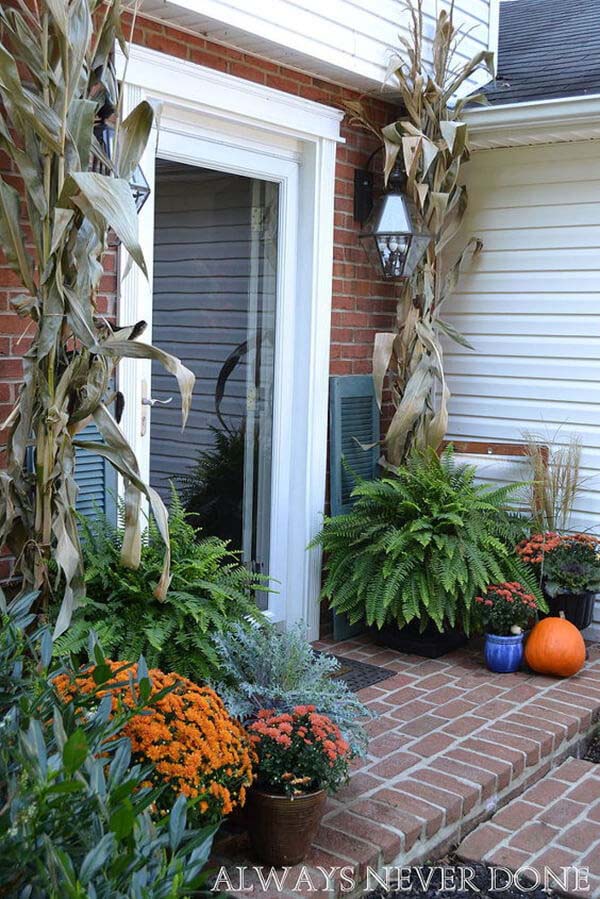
point(577, 607)
point(430, 644)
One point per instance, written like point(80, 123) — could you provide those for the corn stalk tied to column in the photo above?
point(431, 143)
point(56, 74)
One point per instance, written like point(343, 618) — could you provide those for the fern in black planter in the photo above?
point(419, 545)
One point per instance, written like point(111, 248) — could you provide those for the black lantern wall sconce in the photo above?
point(393, 234)
point(105, 136)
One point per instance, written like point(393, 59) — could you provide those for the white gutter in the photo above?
point(536, 121)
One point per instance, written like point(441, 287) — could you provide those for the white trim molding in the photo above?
point(188, 85)
point(534, 122)
point(494, 29)
point(226, 123)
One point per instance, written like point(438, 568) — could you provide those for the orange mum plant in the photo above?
point(533, 549)
point(195, 746)
point(299, 752)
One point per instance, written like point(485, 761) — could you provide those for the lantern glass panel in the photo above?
point(392, 250)
point(140, 188)
point(391, 214)
point(394, 236)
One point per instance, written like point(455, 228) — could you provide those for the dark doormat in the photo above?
point(358, 675)
point(592, 753)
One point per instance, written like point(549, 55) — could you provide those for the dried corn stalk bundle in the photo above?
point(56, 74)
point(431, 144)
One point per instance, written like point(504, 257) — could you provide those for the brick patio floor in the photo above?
point(555, 824)
point(451, 743)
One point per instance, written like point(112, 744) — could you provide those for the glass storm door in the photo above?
point(214, 305)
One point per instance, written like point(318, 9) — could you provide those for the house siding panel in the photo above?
point(347, 41)
point(530, 305)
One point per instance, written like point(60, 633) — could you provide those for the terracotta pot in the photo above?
point(281, 828)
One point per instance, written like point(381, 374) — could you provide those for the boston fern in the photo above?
point(421, 545)
point(209, 591)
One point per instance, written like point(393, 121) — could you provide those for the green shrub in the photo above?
point(75, 817)
point(420, 545)
point(262, 669)
point(209, 592)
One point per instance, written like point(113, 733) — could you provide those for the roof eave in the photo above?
point(534, 121)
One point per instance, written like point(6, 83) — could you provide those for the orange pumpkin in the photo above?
point(555, 647)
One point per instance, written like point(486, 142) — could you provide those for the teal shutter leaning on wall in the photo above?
point(353, 420)
point(95, 477)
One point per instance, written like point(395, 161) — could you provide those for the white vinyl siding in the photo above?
point(530, 305)
point(346, 41)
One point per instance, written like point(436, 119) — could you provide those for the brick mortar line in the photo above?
point(455, 832)
point(541, 693)
point(554, 842)
point(458, 743)
point(564, 746)
point(495, 802)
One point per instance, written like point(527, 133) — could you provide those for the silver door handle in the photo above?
point(150, 401)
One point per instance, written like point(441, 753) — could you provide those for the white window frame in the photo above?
point(223, 122)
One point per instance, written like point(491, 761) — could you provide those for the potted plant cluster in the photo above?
point(417, 548)
point(568, 568)
point(571, 578)
point(148, 764)
point(301, 756)
point(506, 610)
point(262, 669)
point(83, 808)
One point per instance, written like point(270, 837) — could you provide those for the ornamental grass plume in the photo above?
point(194, 746)
point(556, 479)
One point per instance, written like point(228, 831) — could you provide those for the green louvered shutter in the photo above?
point(353, 420)
point(95, 477)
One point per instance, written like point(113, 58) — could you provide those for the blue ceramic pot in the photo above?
point(503, 654)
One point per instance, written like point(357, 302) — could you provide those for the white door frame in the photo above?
point(223, 122)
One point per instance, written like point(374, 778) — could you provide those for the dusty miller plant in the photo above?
point(262, 669)
point(431, 143)
point(56, 74)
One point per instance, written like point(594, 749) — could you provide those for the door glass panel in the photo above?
point(215, 273)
